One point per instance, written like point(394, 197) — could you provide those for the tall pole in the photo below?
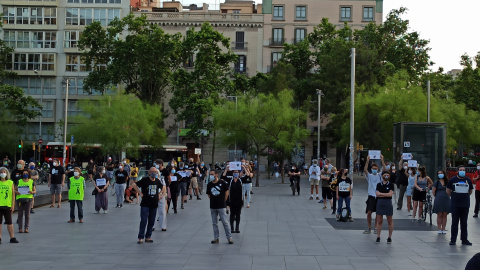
point(65, 126)
point(319, 94)
point(352, 108)
point(428, 102)
point(236, 109)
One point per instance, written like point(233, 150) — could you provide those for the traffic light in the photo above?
point(20, 144)
point(33, 146)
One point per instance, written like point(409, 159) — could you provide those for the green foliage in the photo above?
point(467, 84)
point(196, 92)
point(118, 122)
point(143, 60)
point(19, 108)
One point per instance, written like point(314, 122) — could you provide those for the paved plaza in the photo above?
point(278, 231)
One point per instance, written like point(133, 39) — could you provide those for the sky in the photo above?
point(452, 27)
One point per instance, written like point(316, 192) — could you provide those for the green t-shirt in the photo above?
point(76, 191)
point(6, 191)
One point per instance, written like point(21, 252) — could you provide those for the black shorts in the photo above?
point(6, 212)
point(419, 196)
point(371, 204)
point(326, 193)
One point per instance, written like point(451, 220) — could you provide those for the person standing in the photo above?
point(459, 188)
point(314, 178)
point(134, 172)
point(56, 181)
point(384, 193)
point(7, 203)
point(203, 175)
point(162, 203)
point(476, 177)
point(101, 183)
point(69, 169)
point(91, 169)
point(193, 188)
point(6, 162)
point(173, 182)
point(183, 181)
point(294, 174)
point(344, 192)
point(333, 188)
point(422, 184)
point(76, 193)
point(151, 192)
point(217, 191)
point(326, 192)
point(25, 190)
point(17, 172)
point(121, 178)
point(441, 205)
point(247, 182)
point(373, 179)
point(235, 201)
point(109, 169)
point(34, 175)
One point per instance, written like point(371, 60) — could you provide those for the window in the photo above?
point(86, 17)
point(300, 34)
point(23, 40)
point(301, 13)
point(240, 40)
point(71, 39)
point(277, 39)
point(50, 40)
point(48, 61)
point(47, 110)
point(188, 62)
point(236, 11)
point(345, 13)
point(96, 1)
point(241, 64)
point(71, 16)
point(73, 108)
point(20, 61)
point(50, 16)
point(33, 85)
point(36, 15)
point(72, 63)
point(9, 38)
point(276, 56)
point(32, 61)
point(9, 15)
point(368, 14)
point(29, 15)
point(278, 12)
point(76, 87)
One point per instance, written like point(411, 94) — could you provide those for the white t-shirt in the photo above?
point(373, 180)
point(314, 168)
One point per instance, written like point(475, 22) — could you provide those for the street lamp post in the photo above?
point(40, 123)
point(236, 108)
point(352, 108)
point(319, 94)
point(67, 82)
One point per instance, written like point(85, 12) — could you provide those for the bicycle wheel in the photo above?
point(430, 212)
point(425, 210)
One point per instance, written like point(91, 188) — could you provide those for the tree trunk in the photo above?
point(213, 149)
point(283, 171)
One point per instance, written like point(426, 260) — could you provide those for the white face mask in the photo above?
point(76, 174)
point(478, 167)
point(409, 172)
point(20, 166)
point(293, 168)
point(103, 171)
point(120, 167)
point(3, 175)
point(393, 167)
point(405, 167)
point(54, 164)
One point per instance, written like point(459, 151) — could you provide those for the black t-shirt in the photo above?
point(16, 175)
point(150, 190)
point(70, 168)
point(185, 179)
point(217, 194)
point(228, 177)
point(193, 167)
point(203, 171)
point(294, 171)
point(460, 191)
point(344, 186)
point(121, 177)
point(401, 178)
point(246, 179)
point(235, 195)
point(385, 188)
point(57, 173)
point(110, 167)
point(393, 177)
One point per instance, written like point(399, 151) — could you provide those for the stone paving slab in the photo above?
point(279, 231)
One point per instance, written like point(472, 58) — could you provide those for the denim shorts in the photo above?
point(55, 189)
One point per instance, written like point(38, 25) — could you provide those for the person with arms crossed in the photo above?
point(76, 193)
point(384, 193)
point(217, 191)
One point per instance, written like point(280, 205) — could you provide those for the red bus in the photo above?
point(55, 150)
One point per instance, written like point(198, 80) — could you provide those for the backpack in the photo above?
point(344, 215)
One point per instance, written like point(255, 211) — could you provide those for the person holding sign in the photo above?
point(384, 193)
point(101, 183)
point(25, 190)
point(76, 192)
point(459, 188)
point(183, 182)
point(402, 183)
point(373, 179)
point(422, 183)
point(344, 192)
point(56, 181)
point(7, 203)
point(173, 183)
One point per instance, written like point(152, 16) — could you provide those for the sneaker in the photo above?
point(118, 206)
point(311, 198)
point(230, 240)
point(214, 241)
point(398, 208)
point(378, 240)
point(105, 211)
point(420, 220)
point(181, 206)
point(350, 219)
point(440, 232)
point(237, 231)
point(96, 212)
point(475, 216)
point(31, 211)
point(321, 201)
point(121, 205)
point(190, 197)
point(389, 240)
point(466, 243)
point(451, 243)
point(324, 207)
point(13, 240)
point(198, 198)
point(317, 198)
point(367, 231)
point(444, 232)
point(413, 220)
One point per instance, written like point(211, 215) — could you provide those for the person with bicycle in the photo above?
point(441, 206)
point(421, 185)
point(294, 175)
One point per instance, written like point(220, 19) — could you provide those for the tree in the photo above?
point(118, 122)
point(197, 92)
point(143, 60)
point(467, 85)
point(265, 121)
point(5, 59)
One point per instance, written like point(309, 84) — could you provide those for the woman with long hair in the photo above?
point(422, 184)
point(412, 177)
point(441, 204)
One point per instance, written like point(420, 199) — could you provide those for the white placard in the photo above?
point(198, 151)
point(235, 166)
point(24, 190)
point(101, 182)
point(406, 144)
point(374, 154)
point(461, 188)
point(412, 164)
point(173, 178)
point(407, 156)
point(343, 186)
point(182, 173)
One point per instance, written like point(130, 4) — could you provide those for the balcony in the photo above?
point(277, 42)
point(239, 46)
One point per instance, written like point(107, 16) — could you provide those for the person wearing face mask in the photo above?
point(7, 203)
point(203, 175)
point(121, 178)
point(326, 192)
point(173, 182)
point(162, 205)
point(412, 177)
point(151, 191)
point(421, 185)
point(333, 188)
point(402, 183)
point(183, 182)
point(441, 205)
point(294, 174)
point(34, 175)
point(56, 181)
point(344, 192)
point(134, 172)
point(195, 172)
point(235, 201)
point(126, 166)
point(25, 190)
point(217, 191)
point(247, 182)
point(69, 169)
point(459, 188)
point(384, 193)
point(373, 179)
point(76, 192)
point(91, 169)
point(101, 183)
point(17, 172)
point(109, 169)
point(476, 177)
point(314, 178)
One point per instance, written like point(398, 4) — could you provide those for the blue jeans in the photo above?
point(340, 204)
point(183, 188)
point(223, 217)
point(72, 209)
point(247, 188)
point(147, 218)
point(120, 192)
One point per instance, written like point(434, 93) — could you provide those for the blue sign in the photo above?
point(71, 140)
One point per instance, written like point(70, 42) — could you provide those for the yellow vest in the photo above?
point(76, 191)
point(6, 189)
point(28, 184)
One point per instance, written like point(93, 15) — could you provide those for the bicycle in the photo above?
point(427, 207)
